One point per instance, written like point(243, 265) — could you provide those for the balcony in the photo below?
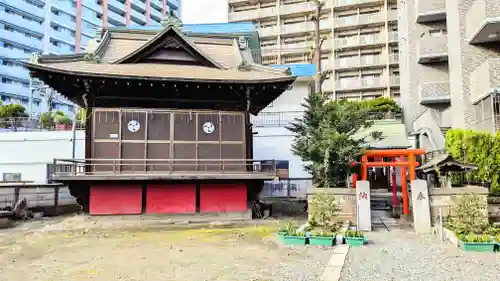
point(15, 71)
point(116, 6)
point(358, 61)
point(137, 17)
point(430, 10)
point(60, 50)
point(15, 89)
point(484, 78)
point(394, 81)
point(394, 58)
point(433, 49)
point(63, 36)
point(13, 53)
point(360, 20)
point(157, 4)
point(63, 21)
point(138, 5)
point(359, 84)
point(93, 6)
point(254, 14)
point(19, 21)
point(26, 8)
point(172, 169)
point(174, 4)
point(156, 14)
point(93, 20)
point(64, 6)
point(342, 3)
point(355, 41)
point(275, 119)
point(431, 93)
point(21, 39)
point(483, 22)
point(116, 19)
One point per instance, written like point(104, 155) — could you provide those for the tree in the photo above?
point(318, 43)
point(325, 138)
point(12, 110)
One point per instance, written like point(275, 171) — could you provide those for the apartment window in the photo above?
point(11, 177)
point(438, 32)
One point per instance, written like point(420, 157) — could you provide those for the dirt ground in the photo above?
point(82, 248)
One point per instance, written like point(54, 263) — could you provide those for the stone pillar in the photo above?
point(363, 208)
point(421, 206)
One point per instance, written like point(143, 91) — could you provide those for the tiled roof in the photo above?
point(117, 48)
point(393, 133)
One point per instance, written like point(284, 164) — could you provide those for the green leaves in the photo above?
point(480, 148)
point(325, 137)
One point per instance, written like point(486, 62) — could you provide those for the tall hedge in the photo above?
point(480, 148)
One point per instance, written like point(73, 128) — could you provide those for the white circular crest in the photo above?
point(133, 126)
point(208, 127)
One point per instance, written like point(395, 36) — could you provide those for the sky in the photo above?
point(203, 11)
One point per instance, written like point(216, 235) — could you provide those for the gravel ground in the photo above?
point(245, 253)
point(403, 255)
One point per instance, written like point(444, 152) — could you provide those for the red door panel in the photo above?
point(171, 198)
point(115, 199)
point(221, 198)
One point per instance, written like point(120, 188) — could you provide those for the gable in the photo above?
point(169, 47)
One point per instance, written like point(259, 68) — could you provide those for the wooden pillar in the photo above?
point(404, 187)
point(364, 168)
point(394, 187)
point(354, 179)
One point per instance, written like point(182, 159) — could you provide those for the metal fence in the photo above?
point(25, 124)
point(294, 187)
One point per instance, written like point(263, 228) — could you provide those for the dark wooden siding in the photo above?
point(165, 135)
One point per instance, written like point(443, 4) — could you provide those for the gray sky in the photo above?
point(204, 11)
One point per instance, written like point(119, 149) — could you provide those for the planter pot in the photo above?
point(321, 241)
point(355, 241)
point(293, 240)
point(63, 127)
point(477, 247)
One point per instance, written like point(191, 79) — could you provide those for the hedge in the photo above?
point(480, 148)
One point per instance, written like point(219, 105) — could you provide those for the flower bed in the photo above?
point(355, 238)
point(476, 243)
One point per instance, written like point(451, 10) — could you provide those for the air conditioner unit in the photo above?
point(242, 43)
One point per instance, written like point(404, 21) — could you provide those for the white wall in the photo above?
point(275, 142)
point(29, 153)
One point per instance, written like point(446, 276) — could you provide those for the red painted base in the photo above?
point(222, 198)
point(171, 199)
point(115, 199)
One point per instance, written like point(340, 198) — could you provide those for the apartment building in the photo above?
point(360, 44)
point(60, 27)
point(449, 60)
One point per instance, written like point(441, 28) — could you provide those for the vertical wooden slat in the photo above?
point(171, 147)
point(120, 124)
point(197, 157)
point(146, 129)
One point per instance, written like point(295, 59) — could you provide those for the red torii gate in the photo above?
point(411, 164)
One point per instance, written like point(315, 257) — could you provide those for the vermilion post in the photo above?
point(411, 159)
point(394, 187)
point(354, 180)
point(404, 188)
point(364, 167)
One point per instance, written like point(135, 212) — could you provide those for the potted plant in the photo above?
point(354, 238)
point(63, 122)
point(476, 243)
point(497, 246)
point(294, 238)
point(322, 238)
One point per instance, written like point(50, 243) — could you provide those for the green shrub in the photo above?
point(473, 238)
point(323, 233)
point(323, 210)
point(480, 148)
point(354, 233)
point(470, 215)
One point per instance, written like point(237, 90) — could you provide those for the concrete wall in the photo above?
point(345, 198)
point(29, 153)
point(447, 197)
point(273, 140)
point(494, 208)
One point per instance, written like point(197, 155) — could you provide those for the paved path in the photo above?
point(400, 254)
point(334, 267)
